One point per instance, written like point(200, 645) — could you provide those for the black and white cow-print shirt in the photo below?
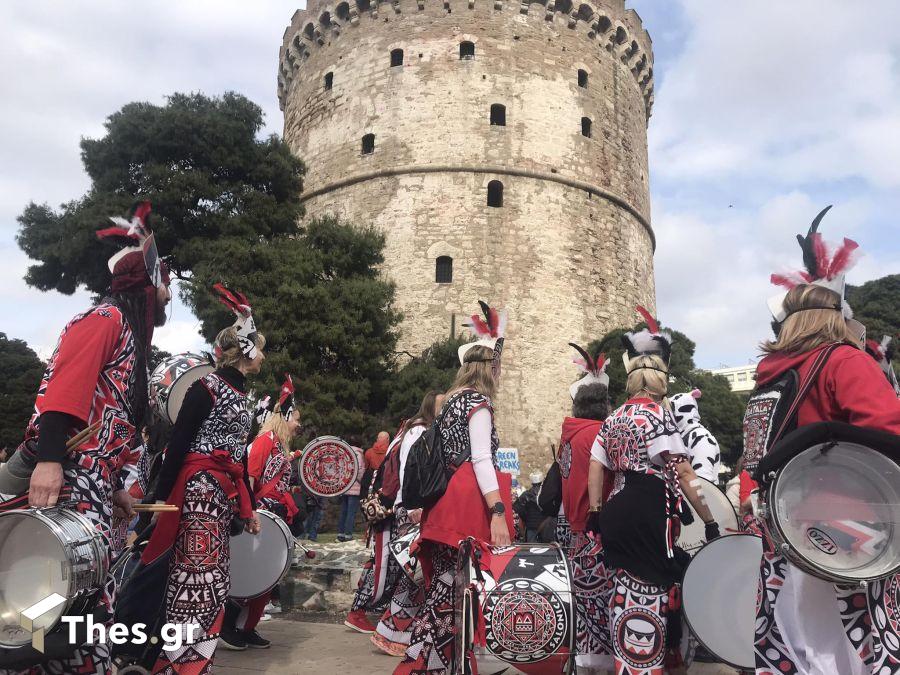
point(706, 457)
point(636, 437)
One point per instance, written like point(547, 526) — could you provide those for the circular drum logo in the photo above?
point(640, 635)
point(525, 621)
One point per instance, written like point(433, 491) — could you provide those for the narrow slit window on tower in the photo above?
point(443, 270)
point(467, 50)
point(495, 194)
point(498, 115)
point(396, 57)
point(583, 79)
point(329, 81)
point(586, 127)
point(368, 144)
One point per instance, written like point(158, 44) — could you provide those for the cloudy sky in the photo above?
point(765, 112)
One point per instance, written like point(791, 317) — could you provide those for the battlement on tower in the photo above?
point(607, 27)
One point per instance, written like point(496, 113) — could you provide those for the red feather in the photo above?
point(236, 302)
point(782, 280)
point(843, 258)
point(651, 322)
point(600, 362)
point(479, 326)
point(820, 248)
point(493, 321)
point(142, 211)
point(117, 232)
point(580, 363)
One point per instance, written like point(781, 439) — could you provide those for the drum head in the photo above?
point(259, 561)
point(693, 536)
point(172, 378)
point(839, 511)
point(719, 597)
point(329, 466)
point(32, 567)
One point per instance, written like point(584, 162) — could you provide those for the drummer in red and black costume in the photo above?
point(204, 474)
point(97, 374)
point(477, 502)
point(639, 524)
point(270, 478)
point(806, 625)
point(590, 406)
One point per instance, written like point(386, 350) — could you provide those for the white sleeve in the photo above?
point(598, 451)
point(411, 437)
point(480, 438)
point(669, 441)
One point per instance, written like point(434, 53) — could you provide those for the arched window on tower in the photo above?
point(498, 115)
point(495, 194)
point(396, 58)
point(329, 81)
point(443, 270)
point(586, 125)
point(467, 50)
point(583, 79)
point(368, 144)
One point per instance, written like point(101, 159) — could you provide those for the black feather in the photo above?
point(806, 245)
point(589, 362)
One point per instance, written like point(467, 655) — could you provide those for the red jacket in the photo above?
point(851, 388)
point(574, 456)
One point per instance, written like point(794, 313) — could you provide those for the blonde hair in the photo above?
point(475, 372)
point(649, 374)
point(231, 354)
point(279, 425)
point(804, 330)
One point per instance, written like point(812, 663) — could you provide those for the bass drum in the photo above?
point(171, 379)
point(45, 552)
point(259, 561)
point(719, 597)
point(526, 596)
point(329, 466)
point(693, 536)
point(408, 562)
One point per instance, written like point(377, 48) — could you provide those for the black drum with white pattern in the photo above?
point(171, 379)
point(525, 594)
point(329, 466)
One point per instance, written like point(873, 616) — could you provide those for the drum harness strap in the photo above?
point(474, 550)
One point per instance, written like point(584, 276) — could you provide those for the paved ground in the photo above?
point(301, 648)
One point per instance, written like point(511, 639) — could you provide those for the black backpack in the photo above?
point(425, 476)
point(549, 497)
point(772, 410)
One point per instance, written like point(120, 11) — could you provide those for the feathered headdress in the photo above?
point(883, 353)
point(820, 268)
point(594, 370)
point(489, 329)
point(134, 237)
point(263, 410)
point(246, 328)
point(286, 397)
point(650, 341)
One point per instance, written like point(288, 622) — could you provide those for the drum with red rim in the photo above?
point(329, 466)
point(171, 379)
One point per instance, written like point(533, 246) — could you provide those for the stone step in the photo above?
point(327, 582)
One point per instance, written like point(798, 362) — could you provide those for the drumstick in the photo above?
point(154, 508)
point(81, 437)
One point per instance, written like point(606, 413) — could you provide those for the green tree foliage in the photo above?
point(213, 184)
point(434, 369)
point(22, 371)
point(877, 304)
point(327, 315)
point(721, 410)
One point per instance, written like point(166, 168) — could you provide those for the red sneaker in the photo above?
point(358, 621)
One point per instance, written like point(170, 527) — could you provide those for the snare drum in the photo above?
point(528, 605)
point(329, 466)
point(719, 597)
point(833, 511)
point(46, 551)
point(259, 561)
point(693, 536)
point(408, 562)
point(171, 379)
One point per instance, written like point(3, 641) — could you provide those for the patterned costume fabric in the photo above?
point(408, 597)
point(706, 458)
point(637, 618)
point(278, 465)
point(431, 643)
point(199, 580)
point(92, 478)
point(454, 428)
point(592, 587)
point(380, 574)
point(870, 617)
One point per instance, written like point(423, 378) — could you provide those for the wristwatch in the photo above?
point(498, 509)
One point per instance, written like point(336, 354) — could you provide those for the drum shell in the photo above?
point(86, 561)
point(780, 539)
point(248, 578)
point(693, 536)
point(528, 603)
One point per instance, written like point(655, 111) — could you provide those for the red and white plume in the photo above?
point(821, 267)
point(286, 396)
point(594, 369)
point(650, 341)
point(246, 328)
point(489, 328)
point(134, 236)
